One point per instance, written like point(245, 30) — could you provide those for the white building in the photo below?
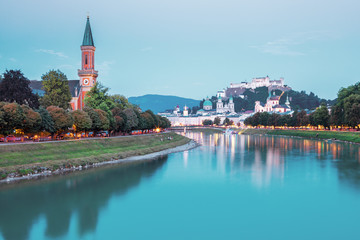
point(259, 82)
point(273, 105)
point(225, 108)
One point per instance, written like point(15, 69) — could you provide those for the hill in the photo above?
point(160, 103)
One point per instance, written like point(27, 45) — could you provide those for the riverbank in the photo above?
point(207, 130)
point(25, 161)
point(352, 137)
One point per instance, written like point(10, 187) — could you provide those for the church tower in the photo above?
point(87, 74)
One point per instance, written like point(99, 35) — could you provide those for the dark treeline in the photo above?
point(298, 119)
point(28, 113)
point(344, 113)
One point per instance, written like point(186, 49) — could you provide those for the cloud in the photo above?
point(147, 49)
point(104, 67)
point(67, 66)
point(52, 52)
point(287, 45)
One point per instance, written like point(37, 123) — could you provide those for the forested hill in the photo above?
point(160, 103)
point(298, 100)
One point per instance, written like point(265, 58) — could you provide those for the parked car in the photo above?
point(11, 138)
point(2, 139)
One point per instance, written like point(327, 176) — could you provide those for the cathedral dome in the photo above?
point(207, 103)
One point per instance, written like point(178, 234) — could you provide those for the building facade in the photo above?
point(273, 105)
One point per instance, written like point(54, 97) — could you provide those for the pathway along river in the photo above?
point(232, 187)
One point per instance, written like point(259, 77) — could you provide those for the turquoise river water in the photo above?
point(232, 187)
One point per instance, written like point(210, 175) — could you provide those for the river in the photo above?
point(232, 187)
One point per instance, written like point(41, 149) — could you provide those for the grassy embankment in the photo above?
point(21, 159)
point(207, 130)
point(343, 136)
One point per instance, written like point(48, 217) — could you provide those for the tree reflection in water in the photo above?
point(85, 193)
point(267, 156)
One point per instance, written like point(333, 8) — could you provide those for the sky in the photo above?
point(187, 48)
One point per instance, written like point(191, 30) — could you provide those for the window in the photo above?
point(86, 61)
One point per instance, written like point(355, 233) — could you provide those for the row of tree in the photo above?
point(56, 120)
point(217, 122)
point(21, 109)
point(319, 117)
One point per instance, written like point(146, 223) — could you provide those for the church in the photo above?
point(87, 74)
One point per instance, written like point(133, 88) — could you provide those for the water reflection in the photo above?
point(267, 157)
point(84, 193)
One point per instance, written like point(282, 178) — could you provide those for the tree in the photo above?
point(164, 122)
point(32, 121)
point(303, 119)
point(207, 122)
point(264, 118)
point(273, 119)
point(82, 121)
point(227, 122)
point(47, 124)
point(284, 120)
point(56, 87)
point(61, 118)
point(132, 120)
point(98, 98)
point(321, 117)
point(121, 102)
point(217, 121)
point(3, 123)
point(149, 122)
point(352, 110)
point(103, 117)
point(14, 87)
point(155, 117)
point(96, 123)
point(14, 117)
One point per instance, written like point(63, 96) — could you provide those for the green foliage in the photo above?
point(149, 122)
point(228, 122)
point(217, 121)
point(13, 116)
point(96, 123)
point(132, 120)
point(14, 87)
point(47, 124)
point(155, 117)
point(56, 87)
point(207, 122)
point(103, 117)
point(82, 121)
point(352, 110)
point(98, 98)
point(120, 101)
point(61, 118)
point(346, 110)
point(32, 121)
point(321, 117)
point(300, 100)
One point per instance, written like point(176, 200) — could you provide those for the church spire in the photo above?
point(88, 39)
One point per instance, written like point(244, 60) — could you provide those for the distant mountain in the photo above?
point(160, 103)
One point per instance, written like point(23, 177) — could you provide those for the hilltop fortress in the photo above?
point(238, 89)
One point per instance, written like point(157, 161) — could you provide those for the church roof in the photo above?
point(88, 39)
point(74, 87)
point(281, 106)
